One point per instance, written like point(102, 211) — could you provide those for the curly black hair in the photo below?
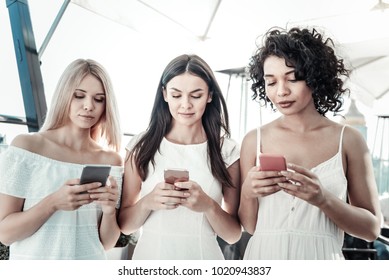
point(314, 60)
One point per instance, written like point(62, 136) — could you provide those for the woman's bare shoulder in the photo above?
point(354, 139)
point(29, 141)
point(271, 126)
point(250, 137)
point(113, 158)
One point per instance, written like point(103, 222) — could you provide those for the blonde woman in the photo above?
point(41, 199)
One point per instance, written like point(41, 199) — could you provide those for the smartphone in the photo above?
point(172, 175)
point(272, 162)
point(95, 173)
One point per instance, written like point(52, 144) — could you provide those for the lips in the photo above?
point(87, 117)
point(285, 104)
point(186, 115)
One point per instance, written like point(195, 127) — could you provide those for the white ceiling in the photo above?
point(135, 39)
point(225, 27)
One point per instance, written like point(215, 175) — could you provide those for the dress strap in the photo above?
point(258, 145)
point(341, 139)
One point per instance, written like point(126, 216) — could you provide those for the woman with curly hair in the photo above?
point(301, 212)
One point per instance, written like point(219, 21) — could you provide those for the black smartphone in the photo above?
point(95, 173)
point(176, 175)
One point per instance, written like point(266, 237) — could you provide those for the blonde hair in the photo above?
point(108, 127)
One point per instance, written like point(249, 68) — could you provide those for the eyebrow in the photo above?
point(193, 91)
point(287, 73)
point(78, 89)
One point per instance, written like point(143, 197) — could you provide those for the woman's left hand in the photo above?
point(198, 200)
point(303, 184)
point(106, 196)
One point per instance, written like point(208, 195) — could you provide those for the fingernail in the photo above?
point(284, 173)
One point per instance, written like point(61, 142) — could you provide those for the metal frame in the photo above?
point(28, 62)
point(30, 75)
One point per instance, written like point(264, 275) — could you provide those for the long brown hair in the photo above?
point(214, 119)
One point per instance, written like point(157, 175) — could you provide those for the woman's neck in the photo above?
point(302, 123)
point(187, 135)
point(74, 139)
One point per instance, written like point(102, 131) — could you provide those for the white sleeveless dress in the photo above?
point(182, 233)
point(66, 234)
point(290, 228)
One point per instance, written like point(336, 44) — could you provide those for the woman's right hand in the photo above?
point(72, 195)
point(165, 196)
point(261, 183)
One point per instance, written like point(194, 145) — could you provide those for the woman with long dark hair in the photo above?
point(188, 129)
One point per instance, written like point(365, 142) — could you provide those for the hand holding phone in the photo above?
point(95, 173)
point(272, 162)
point(172, 175)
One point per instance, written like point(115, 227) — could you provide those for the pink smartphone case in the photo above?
point(272, 162)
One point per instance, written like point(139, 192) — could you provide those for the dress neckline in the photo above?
point(183, 145)
point(323, 163)
point(339, 152)
point(35, 156)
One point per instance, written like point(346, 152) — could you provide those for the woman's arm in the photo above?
point(109, 230)
point(108, 196)
point(132, 213)
point(16, 224)
point(255, 183)
point(134, 210)
point(224, 220)
point(248, 208)
point(361, 217)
